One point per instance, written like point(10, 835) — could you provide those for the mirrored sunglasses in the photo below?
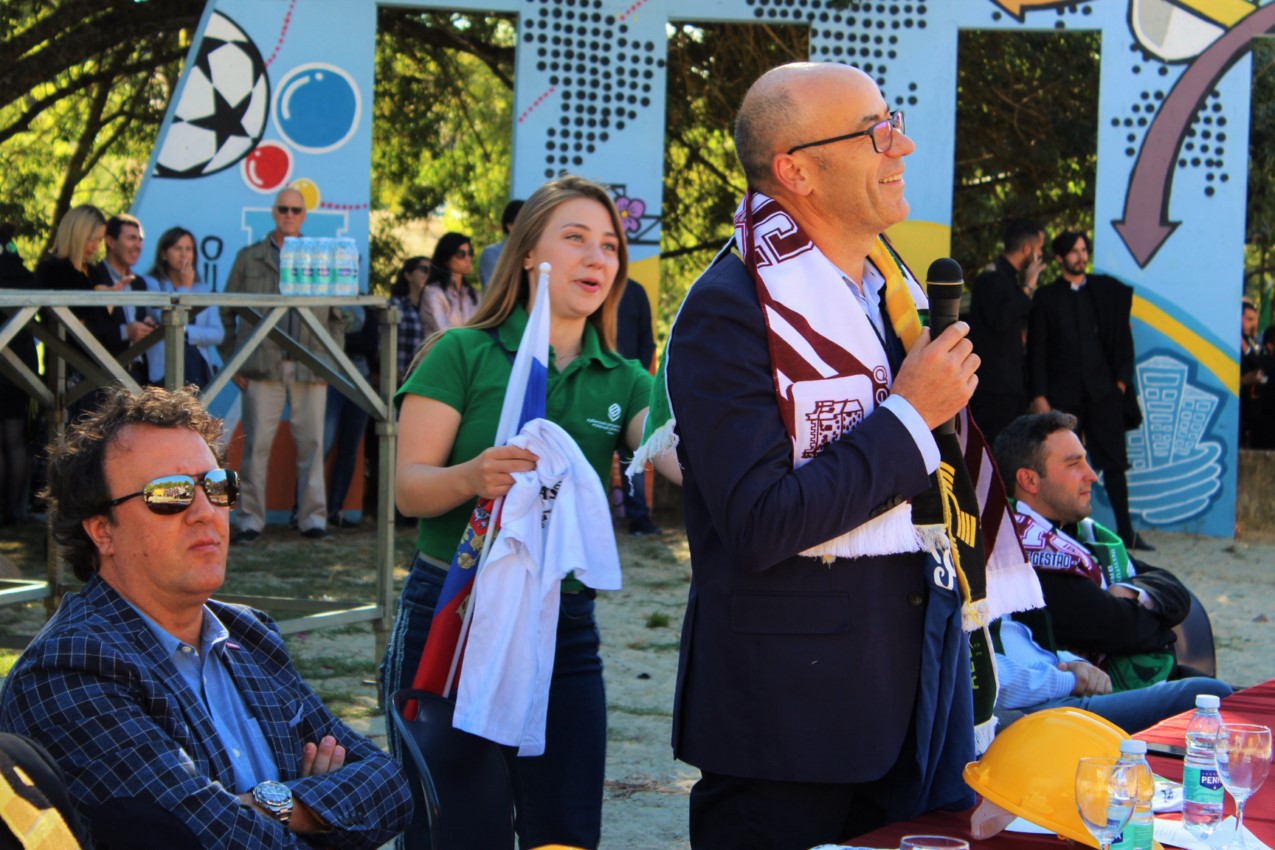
point(173, 494)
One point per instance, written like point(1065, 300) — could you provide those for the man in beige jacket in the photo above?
point(270, 378)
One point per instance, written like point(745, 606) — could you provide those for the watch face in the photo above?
point(276, 797)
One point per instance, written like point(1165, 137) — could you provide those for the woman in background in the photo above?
point(175, 270)
point(449, 300)
point(405, 294)
point(70, 265)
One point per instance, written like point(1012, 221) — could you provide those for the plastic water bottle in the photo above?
point(322, 267)
point(1201, 787)
point(347, 267)
point(288, 274)
point(306, 266)
point(1139, 834)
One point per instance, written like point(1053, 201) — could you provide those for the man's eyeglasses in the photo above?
point(173, 494)
point(282, 210)
point(881, 133)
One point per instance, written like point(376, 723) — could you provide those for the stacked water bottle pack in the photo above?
point(318, 266)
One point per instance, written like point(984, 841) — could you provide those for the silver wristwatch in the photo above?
point(275, 798)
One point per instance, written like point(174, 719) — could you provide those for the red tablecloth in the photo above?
point(1253, 705)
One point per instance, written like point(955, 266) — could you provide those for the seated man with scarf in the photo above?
point(1101, 604)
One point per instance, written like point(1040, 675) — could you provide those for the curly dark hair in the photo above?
point(77, 487)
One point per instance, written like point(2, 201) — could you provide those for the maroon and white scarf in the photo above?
point(1048, 548)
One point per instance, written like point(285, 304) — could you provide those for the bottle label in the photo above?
point(1202, 785)
point(1136, 836)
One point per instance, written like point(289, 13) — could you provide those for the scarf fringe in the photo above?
point(983, 734)
point(1016, 588)
point(891, 533)
point(662, 439)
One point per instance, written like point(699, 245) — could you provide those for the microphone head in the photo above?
point(945, 270)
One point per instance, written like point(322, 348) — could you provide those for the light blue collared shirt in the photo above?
point(239, 731)
point(869, 297)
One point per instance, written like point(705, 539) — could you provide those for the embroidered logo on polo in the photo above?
point(612, 425)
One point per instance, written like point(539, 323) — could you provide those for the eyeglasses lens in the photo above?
point(883, 133)
point(176, 493)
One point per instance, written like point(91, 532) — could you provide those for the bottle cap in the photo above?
point(1207, 701)
point(1133, 747)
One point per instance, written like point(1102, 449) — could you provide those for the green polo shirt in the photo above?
point(593, 400)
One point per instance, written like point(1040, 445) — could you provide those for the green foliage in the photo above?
point(443, 125)
point(1026, 136)
point(657, 620)
point(85, 87)
point(710, 67)
point(1259, 263)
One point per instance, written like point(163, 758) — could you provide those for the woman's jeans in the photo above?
point(558, 795)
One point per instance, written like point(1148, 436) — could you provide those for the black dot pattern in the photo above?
point(865, 34)
point(600, 75)
point(1204, 143)
point(1060, 12)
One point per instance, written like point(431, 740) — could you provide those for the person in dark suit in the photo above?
point(1000, 301)
point(800, 676)
point(160, 705)
point(1080, 356)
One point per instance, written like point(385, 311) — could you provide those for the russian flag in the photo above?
point(524, 400)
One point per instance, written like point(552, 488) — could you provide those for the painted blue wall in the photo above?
point(589, 99)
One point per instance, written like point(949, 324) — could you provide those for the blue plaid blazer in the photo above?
point(96, 689)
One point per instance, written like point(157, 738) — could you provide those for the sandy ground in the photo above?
point(646, 791)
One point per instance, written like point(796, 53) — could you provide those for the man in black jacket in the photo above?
point(1000, 301)
point(1080, 359)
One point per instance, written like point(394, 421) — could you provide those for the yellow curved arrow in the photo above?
point(1019, 8)
point(1227, 13)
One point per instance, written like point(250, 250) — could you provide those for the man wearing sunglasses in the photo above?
point(803, 692)
point(179, 721)
point(271, 378)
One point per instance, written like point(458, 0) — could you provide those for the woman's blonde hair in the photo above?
point(74, 230)
point(510, 284)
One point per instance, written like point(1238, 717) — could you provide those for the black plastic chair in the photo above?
point(1194, 644)
point(468, 797)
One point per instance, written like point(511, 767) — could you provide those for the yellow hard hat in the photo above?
point(1030, 768)
point(555, 847)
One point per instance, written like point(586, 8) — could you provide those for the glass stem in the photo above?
point(1239, 823)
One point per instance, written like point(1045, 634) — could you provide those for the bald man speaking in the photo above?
point(823, 686)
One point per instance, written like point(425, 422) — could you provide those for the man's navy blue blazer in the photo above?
point(791, 669)
point(97, 690)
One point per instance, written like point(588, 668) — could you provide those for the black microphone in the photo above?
point(943, 284)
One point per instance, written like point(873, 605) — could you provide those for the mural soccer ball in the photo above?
point(223, 108)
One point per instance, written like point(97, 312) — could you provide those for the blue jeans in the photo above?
point(1142, 708)
point(558, 795)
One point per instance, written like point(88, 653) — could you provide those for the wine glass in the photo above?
point(932, 842)
point(1243, 758)
point(1106, 790)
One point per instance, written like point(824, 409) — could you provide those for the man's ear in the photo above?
point(790, 173)
point(98, 528)
point(1027, 482)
